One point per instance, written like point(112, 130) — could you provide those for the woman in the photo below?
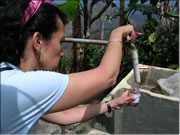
point(30, 35)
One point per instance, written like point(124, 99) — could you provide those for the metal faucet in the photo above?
point(135, 62)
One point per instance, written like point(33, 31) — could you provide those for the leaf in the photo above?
point(132, 3)
point(171, 14)
point(154, 2)
point(143, 1)
point(69, 8)
point(174, 66)
point(152, 37)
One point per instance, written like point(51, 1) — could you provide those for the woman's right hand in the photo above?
point(120, 32)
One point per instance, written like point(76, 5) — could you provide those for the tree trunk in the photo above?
point(121, 11)
point(102, 29)
point(87, 18)
point(76, 47)
point(177, 5)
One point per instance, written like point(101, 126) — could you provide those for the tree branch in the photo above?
point(108, 3)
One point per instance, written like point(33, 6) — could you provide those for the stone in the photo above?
point(43, 127)
point(97, 132)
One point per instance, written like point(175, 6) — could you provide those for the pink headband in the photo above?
point(32, 9)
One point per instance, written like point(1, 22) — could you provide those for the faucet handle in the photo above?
point(132, 36)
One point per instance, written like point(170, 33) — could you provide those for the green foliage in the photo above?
point(166, 47)
point(171, 14)
point(159, 45)
point(65, 64)
point(150, 26)
point(152, 37)
point(93, 55)
point(69, 8)
point(133, 2)
point(174, 66)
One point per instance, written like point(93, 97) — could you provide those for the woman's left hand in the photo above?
point(126, 98)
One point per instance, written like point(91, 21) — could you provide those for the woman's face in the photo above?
point(52, 50)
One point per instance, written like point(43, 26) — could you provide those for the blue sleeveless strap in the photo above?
point(5, 66)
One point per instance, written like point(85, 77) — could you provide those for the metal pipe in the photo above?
point(135, 61)
point(86, 41)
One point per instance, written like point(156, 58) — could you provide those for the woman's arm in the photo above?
point(76, 114)
point(85, 85)
point(88, 111)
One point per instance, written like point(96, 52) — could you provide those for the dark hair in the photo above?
point(14, 35)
